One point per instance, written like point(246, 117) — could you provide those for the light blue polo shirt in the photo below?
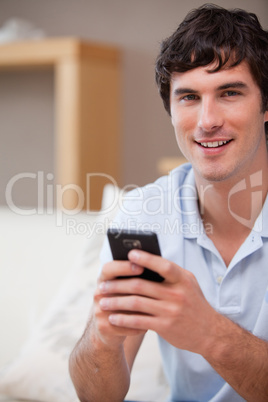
point(170, 208)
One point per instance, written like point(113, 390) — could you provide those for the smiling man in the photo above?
point(211, 310)
point(214, 116)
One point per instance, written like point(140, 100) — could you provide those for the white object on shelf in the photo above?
point(17, 29)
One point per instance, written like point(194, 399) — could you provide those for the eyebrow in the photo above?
point(181, 91)
point(235, 85)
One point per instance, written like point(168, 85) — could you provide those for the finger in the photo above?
point(136, 322)
point(109, 331)
point(106, 330)
point(130, 286)
point(169, 270)
point(114, 269)
point(130, 304)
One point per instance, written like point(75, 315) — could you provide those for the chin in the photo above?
point(213, 175)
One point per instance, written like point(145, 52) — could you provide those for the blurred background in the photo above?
point(136, 28)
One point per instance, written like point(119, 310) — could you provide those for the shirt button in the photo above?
point(219, 279)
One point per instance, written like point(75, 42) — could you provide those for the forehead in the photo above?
point(202, 77)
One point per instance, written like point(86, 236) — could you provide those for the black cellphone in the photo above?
point(122, 241)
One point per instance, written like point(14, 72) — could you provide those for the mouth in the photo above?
point(213, 144)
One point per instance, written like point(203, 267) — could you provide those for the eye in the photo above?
point(190, 97)
point(230, 93)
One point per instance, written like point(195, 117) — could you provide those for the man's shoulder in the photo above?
point(162, 196)
point(171, 182)
point(177, 177)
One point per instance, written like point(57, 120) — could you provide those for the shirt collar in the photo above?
point(261, 223)
point(192, 223)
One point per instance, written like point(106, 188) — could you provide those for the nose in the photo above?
point(210, 115)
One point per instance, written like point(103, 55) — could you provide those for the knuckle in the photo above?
point(181, 299)
point(168, 267)
point(136, 321)
point(190, 279)
point(178, 296)
point(171, 310)
point(163, 327)
point(96, 294)
point(136, 285)
point(191, 276)
point(135, 303)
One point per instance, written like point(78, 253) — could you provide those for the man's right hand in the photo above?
point(101, 362)
point(100, 327)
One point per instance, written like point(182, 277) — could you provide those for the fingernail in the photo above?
point(135, 268)
point(103, 287)
point(135, 255)
point(112, 319)
point(104, 303)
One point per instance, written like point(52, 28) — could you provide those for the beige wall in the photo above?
point(137, 27)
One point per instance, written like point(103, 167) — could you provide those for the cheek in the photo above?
point(247, 118)
point(183, 127)
point(181, 137)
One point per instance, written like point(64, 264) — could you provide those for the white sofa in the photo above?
point(48, 269)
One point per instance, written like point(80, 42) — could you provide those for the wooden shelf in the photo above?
point(87, 109)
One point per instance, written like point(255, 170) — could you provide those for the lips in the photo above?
point(213, 144)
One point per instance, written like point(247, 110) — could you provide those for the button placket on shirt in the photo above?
point(227, 281)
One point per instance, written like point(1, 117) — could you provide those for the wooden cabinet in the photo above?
point(87, 111)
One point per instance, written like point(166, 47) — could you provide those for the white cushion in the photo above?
point(40, 370)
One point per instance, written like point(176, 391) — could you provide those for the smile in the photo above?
point(214, 144)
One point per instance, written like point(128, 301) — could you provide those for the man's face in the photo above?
point(218, 121)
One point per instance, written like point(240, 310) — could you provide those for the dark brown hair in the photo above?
point(213, 34)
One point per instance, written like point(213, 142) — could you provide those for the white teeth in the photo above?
point(213, 144)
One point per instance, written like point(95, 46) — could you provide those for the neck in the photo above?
point(237, 199)
point(239, 203)
point(230, 209)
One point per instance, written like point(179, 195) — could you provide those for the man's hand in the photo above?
point(176, 309)
point(101, 362)
point(100, 325)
